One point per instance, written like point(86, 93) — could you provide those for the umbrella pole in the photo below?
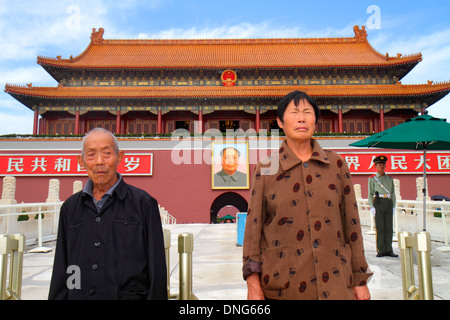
point(424, 190)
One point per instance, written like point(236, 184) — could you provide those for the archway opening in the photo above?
point(228, 203)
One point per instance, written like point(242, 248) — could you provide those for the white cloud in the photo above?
point(435, 49)
point(14, 116)
point(28, 27)
point(16, 123)
point(435, 64)
point(246, 30)
point(36, 75)
point(137, 3)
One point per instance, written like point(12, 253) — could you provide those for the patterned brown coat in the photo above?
point(303, 234)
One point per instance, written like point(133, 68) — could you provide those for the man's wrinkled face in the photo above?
point(100, 158)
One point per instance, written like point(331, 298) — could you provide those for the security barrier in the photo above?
point(167, 251)
point(14, 247)
point(185, 249)
point(11, 245)
point(421, 243)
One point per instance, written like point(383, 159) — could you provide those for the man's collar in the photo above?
point(288, 159)
point(89, 185)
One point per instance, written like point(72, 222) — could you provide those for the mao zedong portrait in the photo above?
point(229, 176)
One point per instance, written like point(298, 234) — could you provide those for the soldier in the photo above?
point(382, 205)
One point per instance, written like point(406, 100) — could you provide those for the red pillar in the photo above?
point(381, 120)
point(77, 121)
point(42, 126)
point(118, 115)
point(35, 122)
point(340, 121)
point(257, 120)
point(159, 124)
point(200, 121)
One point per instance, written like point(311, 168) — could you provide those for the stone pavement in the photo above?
point(217, 267)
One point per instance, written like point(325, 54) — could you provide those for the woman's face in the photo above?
point(299, 122)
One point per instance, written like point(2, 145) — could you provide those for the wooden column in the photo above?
point(159, 124)
point(257, 120)
point(200, 120)
point(340, 121)
point(36, 121)
point(382, 119)
point(43, 126)
point(118, 121)
point(77, 121)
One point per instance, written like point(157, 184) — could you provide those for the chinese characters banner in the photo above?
point(67, 165)
point(399, 163)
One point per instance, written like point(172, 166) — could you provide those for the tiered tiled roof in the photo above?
point(226, 53)
point(335, 53)
point(322, 91)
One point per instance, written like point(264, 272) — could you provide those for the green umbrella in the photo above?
point(421, 133)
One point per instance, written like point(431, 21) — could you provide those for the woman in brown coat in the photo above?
point(303, 238)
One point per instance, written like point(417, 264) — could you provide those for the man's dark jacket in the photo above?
point(119, 251)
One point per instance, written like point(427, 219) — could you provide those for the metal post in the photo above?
point(3, 264)
point(421, 242)
point(15, 276)
point(16, 246)
point(406, 244)
point(185, 249)
point(167, 251)
point(423, 247)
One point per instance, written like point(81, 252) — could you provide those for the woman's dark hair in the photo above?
point(297, 96)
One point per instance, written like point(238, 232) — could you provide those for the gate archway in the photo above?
point(227, 199)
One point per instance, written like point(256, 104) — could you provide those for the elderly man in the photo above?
point(110, 242)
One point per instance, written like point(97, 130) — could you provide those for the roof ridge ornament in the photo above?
point(97, 36)
point(360, 34)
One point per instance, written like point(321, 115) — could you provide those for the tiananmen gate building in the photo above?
point(151, 88)
point(157, 86)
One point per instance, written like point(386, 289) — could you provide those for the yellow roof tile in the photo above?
point(229, 53)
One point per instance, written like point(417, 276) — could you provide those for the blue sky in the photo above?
point(52, 28)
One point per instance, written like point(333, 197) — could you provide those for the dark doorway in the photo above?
point(182, 125)
point(227, 199)
point(228, 125)
point(273, 125)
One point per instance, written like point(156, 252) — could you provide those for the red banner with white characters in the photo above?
point(399, 162)
point(141, 164)
point(133, 164)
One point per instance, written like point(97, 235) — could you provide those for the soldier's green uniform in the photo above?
point(381, 196)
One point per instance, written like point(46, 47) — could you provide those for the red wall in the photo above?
point(185, 190)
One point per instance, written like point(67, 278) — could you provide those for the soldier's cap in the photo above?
point(380, 159)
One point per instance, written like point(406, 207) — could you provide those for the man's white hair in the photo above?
point(98, 129)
